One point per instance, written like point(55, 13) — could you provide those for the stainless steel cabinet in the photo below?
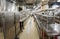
point(9, 22)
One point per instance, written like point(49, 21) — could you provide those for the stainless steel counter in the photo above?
point(49, 24)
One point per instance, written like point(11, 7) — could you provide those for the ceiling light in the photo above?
point(58, 0)
point(42, 0)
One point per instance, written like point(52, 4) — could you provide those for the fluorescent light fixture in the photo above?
point(58, 0)
point(13, 7)
point(42, 0)
point(55, 6)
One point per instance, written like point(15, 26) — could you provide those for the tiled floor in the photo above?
point(30, 30)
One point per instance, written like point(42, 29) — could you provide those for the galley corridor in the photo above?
point(30, 30)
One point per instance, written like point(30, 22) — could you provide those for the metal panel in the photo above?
point(9, 20)
point(1, 26)
point(7, 24)
point(17, 25)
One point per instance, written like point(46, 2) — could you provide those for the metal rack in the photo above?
point(48, 25)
